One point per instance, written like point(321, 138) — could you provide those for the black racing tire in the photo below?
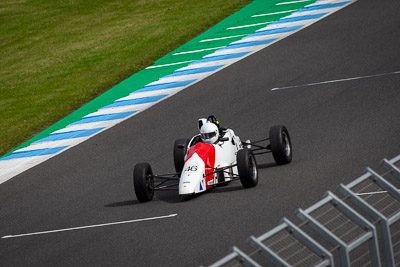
point(281, 145)
point(180, 149)
point(143, 181)
point(247, 168)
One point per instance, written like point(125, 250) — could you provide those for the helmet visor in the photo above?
point(208, 135)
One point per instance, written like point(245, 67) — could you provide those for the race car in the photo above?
point(212, 158)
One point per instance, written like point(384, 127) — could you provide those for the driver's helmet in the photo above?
point(209, 133)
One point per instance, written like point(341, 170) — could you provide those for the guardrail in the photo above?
point(357, 226)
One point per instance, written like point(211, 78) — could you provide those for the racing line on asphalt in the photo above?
point(89, 226)
point(336, 81)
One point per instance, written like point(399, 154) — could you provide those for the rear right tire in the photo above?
point(180, 149)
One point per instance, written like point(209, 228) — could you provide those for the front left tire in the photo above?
point(247, 168)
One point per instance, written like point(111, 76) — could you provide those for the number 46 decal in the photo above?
point(191, 169)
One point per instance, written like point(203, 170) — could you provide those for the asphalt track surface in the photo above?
point(337, 130)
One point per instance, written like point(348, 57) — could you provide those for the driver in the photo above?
point(209, 133)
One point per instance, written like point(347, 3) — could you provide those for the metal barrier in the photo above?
point(383, 207)
point(340, 225)
point(288, 245)
point(350, 224)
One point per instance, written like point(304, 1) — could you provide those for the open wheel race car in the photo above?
point(212, 158)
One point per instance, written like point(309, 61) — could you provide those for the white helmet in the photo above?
point(209, 133)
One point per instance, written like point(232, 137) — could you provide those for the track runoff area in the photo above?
point(254, 27)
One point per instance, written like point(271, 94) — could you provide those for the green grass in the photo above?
point(58, 55)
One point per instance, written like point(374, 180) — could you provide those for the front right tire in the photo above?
point(143, 181)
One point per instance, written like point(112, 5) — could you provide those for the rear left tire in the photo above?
point(281, 145)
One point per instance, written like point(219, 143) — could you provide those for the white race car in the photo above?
point(214, 157)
